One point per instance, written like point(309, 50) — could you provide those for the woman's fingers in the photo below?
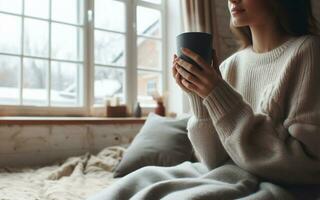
point(177, 76)
point(195, 57)
point(190, 68)
point(178, 81)
point(189, 85)
point(174, 70)
point(174, 58)
point(184, 78)
point(188, 76)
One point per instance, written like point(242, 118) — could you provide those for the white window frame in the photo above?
point(88, 108)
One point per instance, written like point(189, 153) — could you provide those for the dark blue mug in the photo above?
point(198, 42)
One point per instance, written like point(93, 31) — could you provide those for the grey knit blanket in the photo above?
point(193, 181)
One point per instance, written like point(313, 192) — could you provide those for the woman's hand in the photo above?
point(177, 76)
point(192, 79)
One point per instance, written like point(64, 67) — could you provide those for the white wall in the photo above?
point(37, 145)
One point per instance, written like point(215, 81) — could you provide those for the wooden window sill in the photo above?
point(68, 120)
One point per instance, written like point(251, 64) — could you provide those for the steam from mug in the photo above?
point(198, 42)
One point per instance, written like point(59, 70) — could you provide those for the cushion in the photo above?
point(162, 141)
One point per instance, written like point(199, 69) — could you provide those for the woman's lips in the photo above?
point(236, 11)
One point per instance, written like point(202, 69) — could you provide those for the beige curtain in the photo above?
point(200, 15)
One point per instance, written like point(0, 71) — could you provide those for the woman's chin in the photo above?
point(239, 24)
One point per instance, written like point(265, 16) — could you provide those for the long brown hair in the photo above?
point(295, 18)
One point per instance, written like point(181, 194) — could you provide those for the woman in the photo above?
point(255, 125)
point(268, 120)
point(273, 123)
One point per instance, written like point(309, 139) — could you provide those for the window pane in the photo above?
point(64, 84)
point(109, 48)
point(153, 1)
point(12, 6)
point(37, 8)
point(105, 12)
point(108, 83)
point(148, 22)
point(9, 79)
point(35, 76)
point(10, 40)
point(65, 42)
point(149, 53)
point(148, 84)
point(67, 11)
point(36, 34)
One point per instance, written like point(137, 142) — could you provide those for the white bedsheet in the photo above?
point(74, 179)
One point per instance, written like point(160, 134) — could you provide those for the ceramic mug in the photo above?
point(199, 42)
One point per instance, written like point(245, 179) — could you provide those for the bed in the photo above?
point(160, 142)
point(75, 178)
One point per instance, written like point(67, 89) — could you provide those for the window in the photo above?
point(41, 54)
point(149, 49)
point(151, 87)
point(110, 62)
point(73, 54)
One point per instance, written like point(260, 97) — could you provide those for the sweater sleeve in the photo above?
point(206, 142)
point(197, 107)
point(282, 151)
point(203, 136)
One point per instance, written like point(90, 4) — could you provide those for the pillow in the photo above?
point(162, 141)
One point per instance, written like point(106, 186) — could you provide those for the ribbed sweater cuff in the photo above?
point(197, 107)
point(221, 100)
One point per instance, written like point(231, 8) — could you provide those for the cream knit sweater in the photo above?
point(265, 114)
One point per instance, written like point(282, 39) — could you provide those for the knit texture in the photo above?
point(264, 114)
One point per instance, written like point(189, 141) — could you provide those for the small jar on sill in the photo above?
point(160, 109)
